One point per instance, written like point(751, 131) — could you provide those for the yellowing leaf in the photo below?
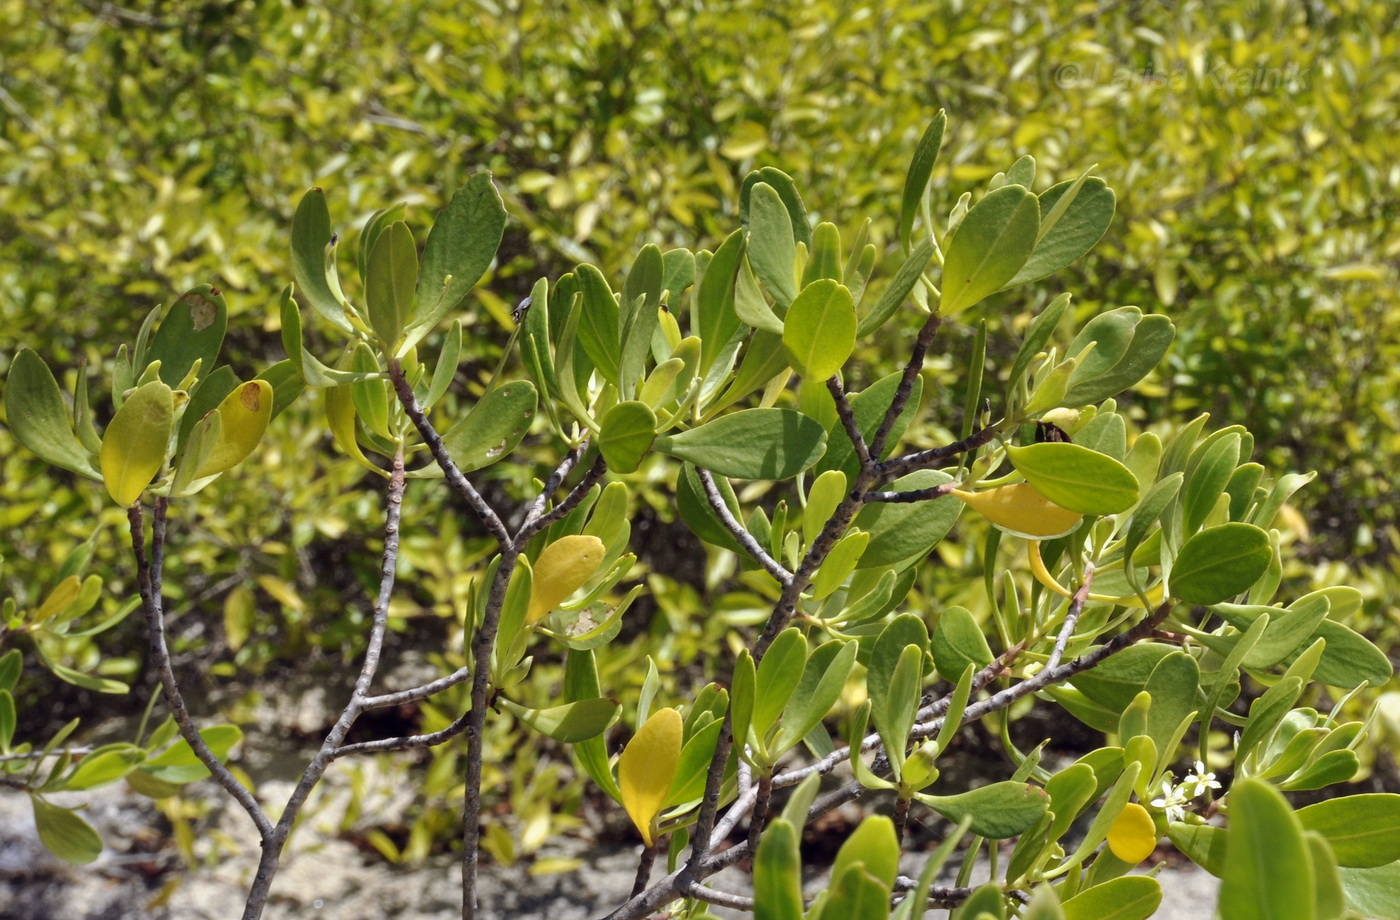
point(243, 417)
point(134, 445)
point(647, 766)
point(1021, 509)
point(561, 570)
point(1133, 836)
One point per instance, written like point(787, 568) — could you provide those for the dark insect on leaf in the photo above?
point(518, 314)
point(1046, 432)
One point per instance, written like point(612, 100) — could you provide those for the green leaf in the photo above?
point(1363, 830)
point(779, 673)
point(750, 444)
point(494, 426)
point(897, 290)
point(990, 246)
point(825, 259)
point(749, 303)
point(11, 664)
point(717, 322)
point(8, 716)
point(39, 419)
point(694, 508)
point(571, 722)
point(179, 764)
point(1076, 478)
point(916, 179)
point(581, 683)
point(1078, 227)
point(1131, 898)
point(823, 679)
point(855, 895)
point(874, 845)
point(628, 430)
point(1173, 686)
point(135, 443)
point(998, 810)
point(192, 331)
point(64, 834)
point(1091, 383)
point(893, 682)
point(1207, 481)
point(782, 183)
point(311, 235)
point(1268, 875)
point(688, 786)
point(393, 275)
point(771, 245)
point(905, 532)
point(1115, 681)
point(958, 642)
point(1203, 844)
point(102, 766)
point(638, 317)
point(1219, 562)
point(598, 329)
point(1371, 892)
point(777, 874)
point(819, 331)
point(1037, 336)
point(459, 249)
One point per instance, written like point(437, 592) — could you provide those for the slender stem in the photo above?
point(763, 794)
point(900, 817)
point(534, 523)
point(274, 841)
point(906, 383)
point(739, 531)
point(722, 898)
point(913, 495)
point(897, 466)
point(847, 416)
point(406, 742)
point(489, 519)
point(648, 858)
point(148, 576)
point(414, 694)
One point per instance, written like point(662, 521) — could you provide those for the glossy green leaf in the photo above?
point(136, 440)
point(825, 257)
point(581, 683)
point(393, 276)
point(1076, 478)
point(771, 244)
point(628, 430)
point(819, 331)
point(311, 235)
point(1073, 232)
point(958, 642)
point(694, 508)
point(917, 177)
point(781, 183)
point(494, 426)
point(1268, 874)
point(637, 318)
point(1038, 335)
point(779, 673)
point(750, 444)
point(1129, 898)
point(599, 331)
point(1362, 830)
point(905, 532)
point(1116, 680)
point(1219, 562)
point(1207, 480)
point(1203, 844)
point(179, 764)
point(193, 330)
point(36, 413)
point(459, 249)
point(1092, 382)
point(1348, 657)
point(777, 874)
point(64, 834)
point(823, 679)
point(1371, 892)
point(571, 722)
point(749, 303)
point(894, 677)
point(990, 246)
point(717, 321)
point(874, 845)
point(897, 291)
point(1173, 686)
point(998, 810)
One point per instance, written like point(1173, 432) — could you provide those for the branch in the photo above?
point(898, 466)
point(489, 519)
point(405, 742)
point(414, 694)
point(535, 522)
point(740, 532)
point(276, 838)
point(906, 383)
point(149, 573)
point(914, 495)
point(848, 420)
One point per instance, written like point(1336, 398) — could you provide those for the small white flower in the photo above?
point(1200, 781)
point(1172, 800)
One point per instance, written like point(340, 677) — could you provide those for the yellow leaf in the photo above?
point(561, 570)
point(243, 417)
point(59, 599)
point(647, 766)
point(1133, 836)
point(1021, 509)
point(135, 443)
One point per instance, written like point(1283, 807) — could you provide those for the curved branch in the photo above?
point(740, 532)
point(898, 466)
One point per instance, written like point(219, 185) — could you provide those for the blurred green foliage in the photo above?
point(149, 148)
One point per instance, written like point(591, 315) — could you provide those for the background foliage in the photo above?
point(149, 148)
